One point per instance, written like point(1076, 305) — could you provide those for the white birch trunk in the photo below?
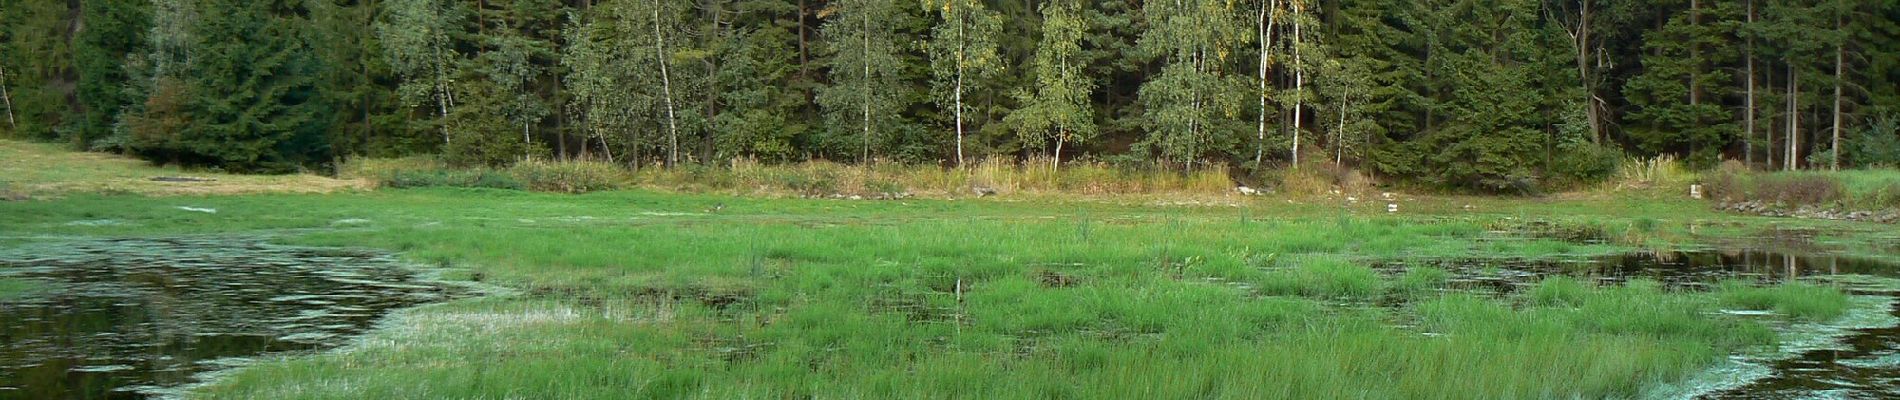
point(7, 98)
point(1265, 25)
point(1299, 82)
point(666, 86)
point(864, 92)
point(961, 40)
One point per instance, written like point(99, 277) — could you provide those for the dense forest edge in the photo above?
point(1507, 96)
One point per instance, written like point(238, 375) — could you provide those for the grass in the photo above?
point(1797, 299)
point(1867, 189)
point(640, 294)
point(34, 170)
point(14, 288)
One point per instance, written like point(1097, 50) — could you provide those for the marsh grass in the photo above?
point(1797, 299)
point(632, 294)
point(14, 288)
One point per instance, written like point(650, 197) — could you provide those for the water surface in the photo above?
point(137, 318)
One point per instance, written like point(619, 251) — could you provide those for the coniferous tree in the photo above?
point(248, 98)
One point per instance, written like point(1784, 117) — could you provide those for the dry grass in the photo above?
point(36, 170)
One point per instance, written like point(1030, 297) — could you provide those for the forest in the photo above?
point(1479, 95)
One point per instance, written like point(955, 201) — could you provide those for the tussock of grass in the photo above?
point(1420, 280)
point(1323, 277)
point(1798, 299)
point(1558, 291)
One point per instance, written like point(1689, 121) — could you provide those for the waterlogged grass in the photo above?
point(13, 288)
point(645, 295)
point(1798, 299)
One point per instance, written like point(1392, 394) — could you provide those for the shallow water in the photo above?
point(129, 319)
point(1865, 364)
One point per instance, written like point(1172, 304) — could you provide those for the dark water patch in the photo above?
point(1689, 269)
point(130, 319)
point(1865, 364)
point(1862, 363)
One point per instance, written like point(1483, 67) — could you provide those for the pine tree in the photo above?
point(759, 114)
point(1677, 96)
point(115, 29)
point(249, 94)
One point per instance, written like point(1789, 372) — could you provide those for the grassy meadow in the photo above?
point(643, 294)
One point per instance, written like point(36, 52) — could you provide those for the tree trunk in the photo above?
point(1794, 118)
point(1339, 134)
point(7, 98)
point(1840, 61)
point(1748, 109)
point(1265, 35)
point(959, 85)
point(1581, 38)
point(706, 139)
point(864, 92)
point(666, 86)
point(1299, 83)
point(1055, 163)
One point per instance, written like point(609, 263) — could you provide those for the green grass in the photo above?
point(14, 288)
point(1798, 299)
point(632, 294)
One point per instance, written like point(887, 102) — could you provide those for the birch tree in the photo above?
point(417, 40)
point(962, 48)
point(866, 90)
point(1193, 95)
point(1057, 108)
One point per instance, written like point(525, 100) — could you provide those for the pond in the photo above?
point(139, 318)
point(1864, 363)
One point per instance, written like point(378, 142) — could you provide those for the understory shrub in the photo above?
point(577, 176)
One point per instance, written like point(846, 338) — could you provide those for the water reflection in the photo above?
point(127, 319)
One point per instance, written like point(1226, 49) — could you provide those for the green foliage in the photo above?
point(1877, 145)
point(1511, 96)
point(1057, 109)
point(1677, 96)
point(963, 53)
point(247, 100)
point(115, 31)
point(1190, 104)
point(862, 104)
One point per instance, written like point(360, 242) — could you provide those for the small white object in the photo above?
point(1391, 207)
point(1247, 191)
point(1695, 192)
point(1385, 195)
point(1352, 199)
point(196, 209)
